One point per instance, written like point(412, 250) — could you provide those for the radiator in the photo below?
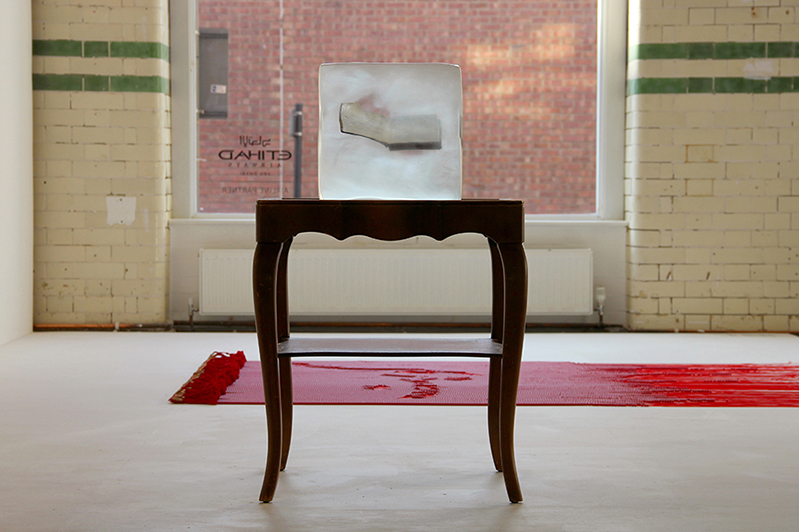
point(393, 282)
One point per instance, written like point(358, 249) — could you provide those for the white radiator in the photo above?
point(395, 282)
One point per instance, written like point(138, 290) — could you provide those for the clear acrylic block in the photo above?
point(390, 131)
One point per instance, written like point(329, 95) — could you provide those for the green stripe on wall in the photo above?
point(143, 50)
point(91, 83)
point(95, 49)
point(57, 82)
point(709, 50)
point(66, 48)
point(58, 47)
point(712, 85)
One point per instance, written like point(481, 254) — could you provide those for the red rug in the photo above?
point(444, 382)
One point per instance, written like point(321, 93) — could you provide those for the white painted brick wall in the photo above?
point(712, 191)
point(101, 172)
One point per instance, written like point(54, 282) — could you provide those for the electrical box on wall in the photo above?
point(212, 86)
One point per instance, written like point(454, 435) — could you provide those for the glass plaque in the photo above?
point(390, 131)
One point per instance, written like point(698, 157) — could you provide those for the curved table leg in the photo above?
point(283, 291)
point(514, 265)
point(284, 365)
point(497, 292)
point(286, 407)
point(494, 394)
point(495, 368)
point(265, 265)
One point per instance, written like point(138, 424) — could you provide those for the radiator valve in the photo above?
point(600, 295)
point(192, 310)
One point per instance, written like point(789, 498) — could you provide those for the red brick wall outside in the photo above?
point(529, 82)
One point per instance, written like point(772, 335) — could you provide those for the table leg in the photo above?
point(284, 366)
point(495, 368)
point(283, 292)
point(497, 292)
point(494, 394)
point(514, 265)
point(265, 264)
point(286, 408)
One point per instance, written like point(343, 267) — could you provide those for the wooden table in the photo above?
point(500, 221)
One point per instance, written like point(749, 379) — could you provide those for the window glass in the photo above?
point(529, 90)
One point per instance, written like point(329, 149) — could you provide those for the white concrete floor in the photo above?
point(89, 442)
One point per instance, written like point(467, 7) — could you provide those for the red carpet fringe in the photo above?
point(211, 380)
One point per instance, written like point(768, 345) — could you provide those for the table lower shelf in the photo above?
point(389, 347)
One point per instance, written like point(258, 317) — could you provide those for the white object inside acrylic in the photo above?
point(390, 131)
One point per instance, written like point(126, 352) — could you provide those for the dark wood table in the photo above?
point(500, 221)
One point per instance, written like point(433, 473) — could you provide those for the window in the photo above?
point(530, 94)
